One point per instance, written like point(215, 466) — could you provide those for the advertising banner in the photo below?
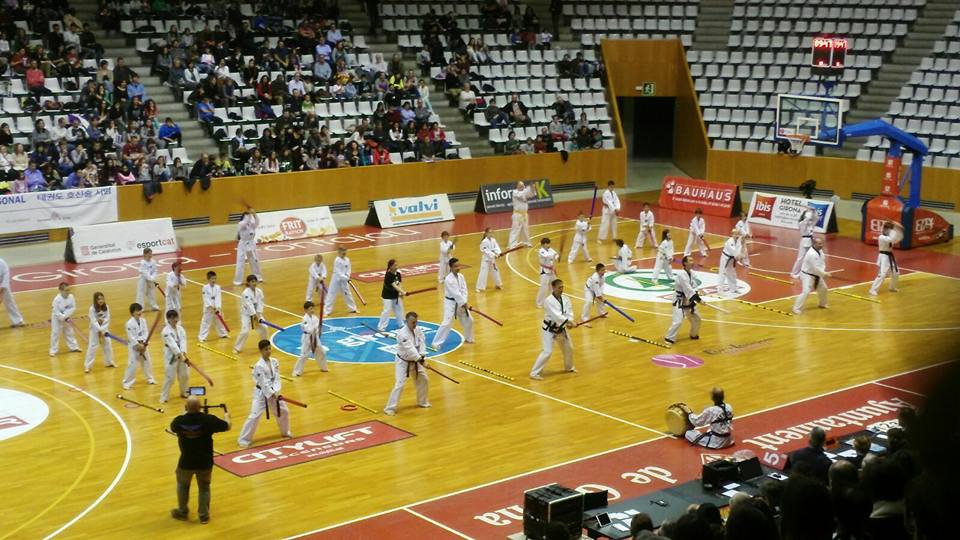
point(785, 210)
point(295, 224)
point(407, 270)
point(122, 240)
point(495, 198)
point(688, 194)
point(405, 211)
point(45, 210)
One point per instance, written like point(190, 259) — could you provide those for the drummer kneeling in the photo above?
point(719, 417)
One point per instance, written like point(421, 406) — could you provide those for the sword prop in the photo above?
point(514, 248)
point(704, 240)
point(284, 377)
point(485, 316)
point(857, 296)
point(593, 203)
point(137, 403)
point(198, 370)
point(159, 288)
point(223, 322)
point(620, 311)
point(356, 290)
point(204, 347)
point(775, 310)
point(271, 325)
point(649, 341)
point(323, 298)
point(153, 329)
point(709, 305)
point(292, 401)
point(116, 338)
point(418, 291)
point(348, 400)
point(490, 371)
point(771, 278)
point(581, 323)
point(447, 377)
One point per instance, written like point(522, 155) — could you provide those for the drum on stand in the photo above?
point(678, 419)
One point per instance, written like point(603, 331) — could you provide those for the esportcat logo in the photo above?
point(640, 286)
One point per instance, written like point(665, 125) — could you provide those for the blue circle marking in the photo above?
point(346, 339)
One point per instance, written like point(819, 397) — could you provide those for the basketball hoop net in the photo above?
point(797, 141)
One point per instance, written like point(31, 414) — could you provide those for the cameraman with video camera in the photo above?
point(195, 431)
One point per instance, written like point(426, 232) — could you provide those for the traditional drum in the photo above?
point(678, 419)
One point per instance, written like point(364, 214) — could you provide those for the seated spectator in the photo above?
point(584, 139)
point(861, 445)
point(121, 72)
point(512, 146)
point(204, 110)
point(223, 167)
point(34, 178)
point(540, 144)
point(885, 482)
point(201, 171)
point(565, 67)
point(852, 508)
point(35, 80)
point(179, 171)
point(334, 36)
point(271, 164)
point(562, 108)
point(255, 165)
point(296, 85)
point(322, 72)
point(581, 67)
point(19, 159)
point(811, 461)
point(169, 132)
point(279, 89)
point(527, 146)
point(89, 175)
point(124, 176)
point(379, 155)
point(495, 116)
point(517, 111)
point(40, 134)
point(467, 100)
point(556, 129)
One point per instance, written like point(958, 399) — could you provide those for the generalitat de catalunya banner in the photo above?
point(405, 211)
point(495, 198)
point(784, 211)
point(122, 240)
point(688, 194)
point(295, 223)
point(43, 210)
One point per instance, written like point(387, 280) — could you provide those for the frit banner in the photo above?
point(40, 211)
point(785, 211)
point(295, 224)
point(495, 198)
point(688, 194)
point(406, 211)
point(121, 240)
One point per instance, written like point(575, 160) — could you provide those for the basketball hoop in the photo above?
point(797, 141)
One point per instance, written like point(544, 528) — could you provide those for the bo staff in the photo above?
point(593, 203)
point(650, 341)
point(709, 305)
point(292, 401)
point(449, 378)
point(76, 330)
point(144, 405)
point(204, 347)
point(418, 291)
point(857, 296)
point(323, 297)
point(271, 325)
point(159, 288)
point(356, 290)
point(223, 322)
point(116, 338)
point(485, 316)
point(618, 310)
point(156, 321)
point(198, 370)
point(348, 400)
point(514, 248)
point(581, 323)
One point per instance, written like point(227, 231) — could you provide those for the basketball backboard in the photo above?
point(819, 118)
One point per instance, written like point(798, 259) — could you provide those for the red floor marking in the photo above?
point(495, 510)
point(398, 525)
point(25, 278)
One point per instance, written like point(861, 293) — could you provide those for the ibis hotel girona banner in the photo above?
point(405, 211)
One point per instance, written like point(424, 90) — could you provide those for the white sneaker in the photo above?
point(389, 412)
point(572, 370)
point(288, 435)
point(243, 444)
point(796, 311)
point(424, 405)
point(894, 290)
point(873, 293)
point(536, 377)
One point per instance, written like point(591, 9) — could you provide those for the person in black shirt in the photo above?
point(812, 461)
point(195, 431)
point(392, 293)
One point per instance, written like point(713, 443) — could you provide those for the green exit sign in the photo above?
point(648, 89)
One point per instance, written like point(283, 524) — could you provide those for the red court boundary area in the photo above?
point(496, 510)
point(775, 252)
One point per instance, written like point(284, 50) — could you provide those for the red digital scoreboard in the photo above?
point(828, 54)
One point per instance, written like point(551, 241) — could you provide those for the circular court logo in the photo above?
point(20, 412)
point(355, 340)
point(640, 286)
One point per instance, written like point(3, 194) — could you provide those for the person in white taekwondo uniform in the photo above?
point(455, 306)
point(6, 296)
point(251, 313)
point(340, 283)
point(608, 213)
point(489, 251)
point(698, 227)
point(557, 318)
point(623, 259)
point(719, 417)
point(743, 227)
point(176, 281)
point(137, 353)
point(146, 295)
point(520, 228)
point(247, 246)
point(813, 275)
point(646, 227)
point(310, 341)
point(664, 260)
point(732, 254)
point(316, 278)
point(174, 356)
point(266, 396)
point(891, 234)
point(548, 269)
point(685, 304)
point(446, 251)
point(392, 296)
point(63, 306)
point(410, 362)
point(99, 316)
point(212, 306)
point(593, 293)
point(580, 230)
point(808, 222)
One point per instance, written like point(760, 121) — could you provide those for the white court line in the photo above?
point(438, 524)
point(221, 254)
point(900, 389)
point(126, 457)
point(592, 456)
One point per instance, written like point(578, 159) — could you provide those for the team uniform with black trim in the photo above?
point(411, 351)
point(548, 272)
point(731, 254)
point(806, 227)
point(684, 306)
point(580, 230)
point(310, 345)
point(557, 312)
point(743, 227)
point(212, 304)
point(137, 333)
point(174, 360)
point(886, 261)
point(593, 295)
point(720, 433)
point(454, 307)
point(247, 248)
point(813, 276)
point(520, 226)
point(489, 251)
point(266, 395)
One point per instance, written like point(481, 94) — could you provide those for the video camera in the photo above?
point(202, 391)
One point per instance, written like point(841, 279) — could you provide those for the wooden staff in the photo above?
point(514, 248)
point(156, 321)
point(709, 305)
point(292, 401)
point(490, 371)
point(857, 296)
point(650, 341)
point(581, 323)
point(356, 290)
point(117, 338)
point(271, 325)
point(775, 310)
point(323, 297)
point(348, 400)
point(159, 288)
point(618, 310)
point(144, 405)
point(563, 244)
point(204, 347)
point(593, 202)
point(418, 291)
point(76, 331)
point(449, 378)
point(223, 322)
point(198, 370)
point(485, 316)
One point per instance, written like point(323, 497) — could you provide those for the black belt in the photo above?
point(816, 278)
point(893, 260)
point(731, 258)
point(808, 236)
point(679, 303)
point(553, 327)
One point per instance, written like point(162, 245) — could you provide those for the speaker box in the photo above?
point(552, 503)
point(718, 473)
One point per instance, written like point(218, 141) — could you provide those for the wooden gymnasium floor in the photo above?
point(99, 469)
